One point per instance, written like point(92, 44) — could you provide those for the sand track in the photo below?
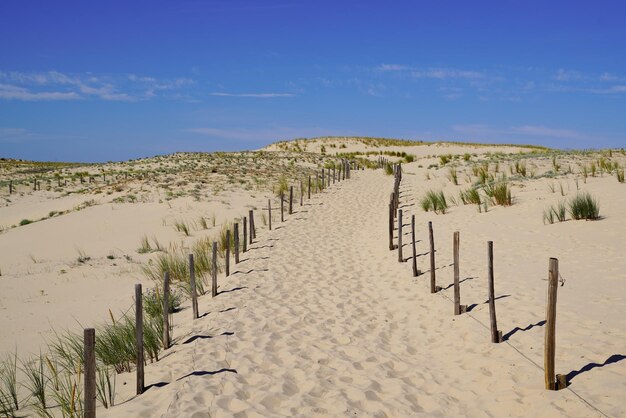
point(321, 320)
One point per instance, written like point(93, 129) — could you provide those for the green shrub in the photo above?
point(584, 206)
point(435, 201)
point(470, 196)
point(25, 222)
point(501, 193)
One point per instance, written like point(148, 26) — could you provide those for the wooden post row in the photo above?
point(400, 259)
point(560, 381)
point(433, 284)
point(227, 256)
point(166, 310)
point(245, 234)
point(236, 232)
point(139, 338)
point(192, 286)
point(89, 343)
point(214, 271)
point(282, 207)
point(496, 336)
point(416, 272)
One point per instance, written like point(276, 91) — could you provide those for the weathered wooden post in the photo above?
point(269, 210)
point(496, 336)
point(458, 308)
point(433, 285)
point(333, 173)
point(166, 310)
point(227, 256)
point(301, 192)
point(251, 221)
point(400, 259)
point(328, 176)
point(89, 345)
point(139, 338)
point(391, 219)
point(552, 382)
point(236, 232)
point(192, 287)
point(416, 272)
point(11, 187)
point(282, 207)
point(214, 271)
point(290, 200)
point(323, 181)
point(317, 182)
point(309, 186)
point(245, 233)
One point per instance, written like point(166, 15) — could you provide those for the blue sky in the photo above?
point(96, 81)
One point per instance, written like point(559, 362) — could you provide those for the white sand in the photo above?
point(319, 319)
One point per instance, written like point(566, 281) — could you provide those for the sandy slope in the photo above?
point(321, 320)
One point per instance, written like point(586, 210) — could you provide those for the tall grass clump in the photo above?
point(453, 175)
point(388, 169)
point(470, 196)
point(282, 186)
point(554, 213)
point(619, 173)
point(8, 385)
point(584, 206)
point(36, 382)
point(181, 226)
point(144, 246)
point(434, 201)
point(500, 193)
point(445, 159)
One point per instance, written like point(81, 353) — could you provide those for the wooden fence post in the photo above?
point(11, 187)
point(301, 192)
point(192, 287)
point(323, 180)
point(214, 271)
point(400, 259)
point(333, 174)
point(89, 343)
point(245, 233)
point(391, 219)
point(166, 311)
point(309, 186)
point(251, 221)
point(416, 272)
point(139, 338)
point(458, 308)
point(236, 232)
point(433, 284)
point(496, 336)
point(282, 207)
point(552, 382)
point(269, 210)
point(227, 257)
point(290, 200)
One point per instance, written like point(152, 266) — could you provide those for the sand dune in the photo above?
point(320, 319)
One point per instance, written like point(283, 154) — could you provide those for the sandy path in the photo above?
point(320, 319)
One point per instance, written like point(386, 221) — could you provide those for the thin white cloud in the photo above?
point(532, 133)
point(392, 67)
point(10, 92)
point(37, 85)
point(567, 75)
point(447, 73)
point(257, 95)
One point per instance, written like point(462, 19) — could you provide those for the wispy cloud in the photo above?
point(54, 85)
point(531, 133)
point(392, 67)
point(567, 75)
point(447, 73)
point(257, 95)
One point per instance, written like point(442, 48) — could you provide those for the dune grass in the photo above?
point(584, 206)
point(470, 196)
point(434, 201)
